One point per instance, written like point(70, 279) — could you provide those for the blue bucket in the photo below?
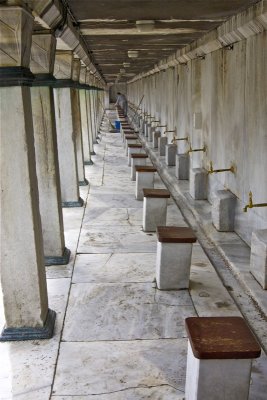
point(118, 125)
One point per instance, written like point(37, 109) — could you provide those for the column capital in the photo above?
point(63, 69)
point(63, 64)
point(83, 74)
point(16, 26)
point(76, 70)
point(43, 58)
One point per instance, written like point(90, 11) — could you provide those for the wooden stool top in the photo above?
point(175, 234)
point(156, 193)
point(131, 137)
point(221, 338)
point(135, 145)
point(139, 155)
point(145, 168)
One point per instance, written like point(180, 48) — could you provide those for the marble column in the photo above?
point(45, 141)
point(67, 156)
point(89, 113)
point(22, 255)
point(92, 94)
point(84, 118)
point(77, 124)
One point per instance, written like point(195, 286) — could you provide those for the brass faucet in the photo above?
point(204, 148)
point(175, 139)
point(212, 171)
point(161, 126)
point(251, 205)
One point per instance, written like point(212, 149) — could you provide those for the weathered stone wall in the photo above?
point(219, 101)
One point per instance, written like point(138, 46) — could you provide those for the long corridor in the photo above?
point(116, 336)
point(122, 338)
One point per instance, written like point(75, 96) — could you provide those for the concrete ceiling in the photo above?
point(109, 29)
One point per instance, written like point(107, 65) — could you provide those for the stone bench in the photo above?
point(174, 252)
point(130, 139)
point(182, 166)
point(258, 257)
point(220, 353)
point(137, 159)
point(198, 183)
point(134, 148)
point(162, 142)
point(155, 139)
point(144, 179)
point(170, 154)
point(154, 208)
point(223, 210)
point(127, 132)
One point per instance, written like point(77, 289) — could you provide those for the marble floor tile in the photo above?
point(117, 239)
point(108, 268)
point(27, 368)
point(105, 216)
point(107, 367)
point(114, 200)
point(125, 312)
point(164, 392)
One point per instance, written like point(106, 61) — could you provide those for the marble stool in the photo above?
point(198, 183)
point(127, 132)
point(170, 154)
point(146, 129)
point(123, 131)
point(150, 133)
point(162, 141)
point(155, 141)
point(220, 353)
point(134, 148)
point(223, 210)
point(154, 208)
point(182, 166)
point(174, 252)
point(137, 159)
point(258, 256)
point(129, 139)
point(144, 179)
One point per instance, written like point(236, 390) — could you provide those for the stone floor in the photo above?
point(117, 337)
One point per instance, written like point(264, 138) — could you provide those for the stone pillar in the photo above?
point(65, 130)
point(89, 113)
point(76, 112)
point(45, 141)
point(22, 257)
point(84, 118)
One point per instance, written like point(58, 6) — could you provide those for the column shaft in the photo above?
point(22, 257)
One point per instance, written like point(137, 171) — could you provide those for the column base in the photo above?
point(68, 204)
point(30, 333)
point(84, 183)
point(61, 260)
point(90, 162)
point(92, 153)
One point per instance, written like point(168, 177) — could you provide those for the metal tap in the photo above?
point(175, 139)
point(251, 205)
point(212, 171)
point(168, 132)
point(194, 150)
